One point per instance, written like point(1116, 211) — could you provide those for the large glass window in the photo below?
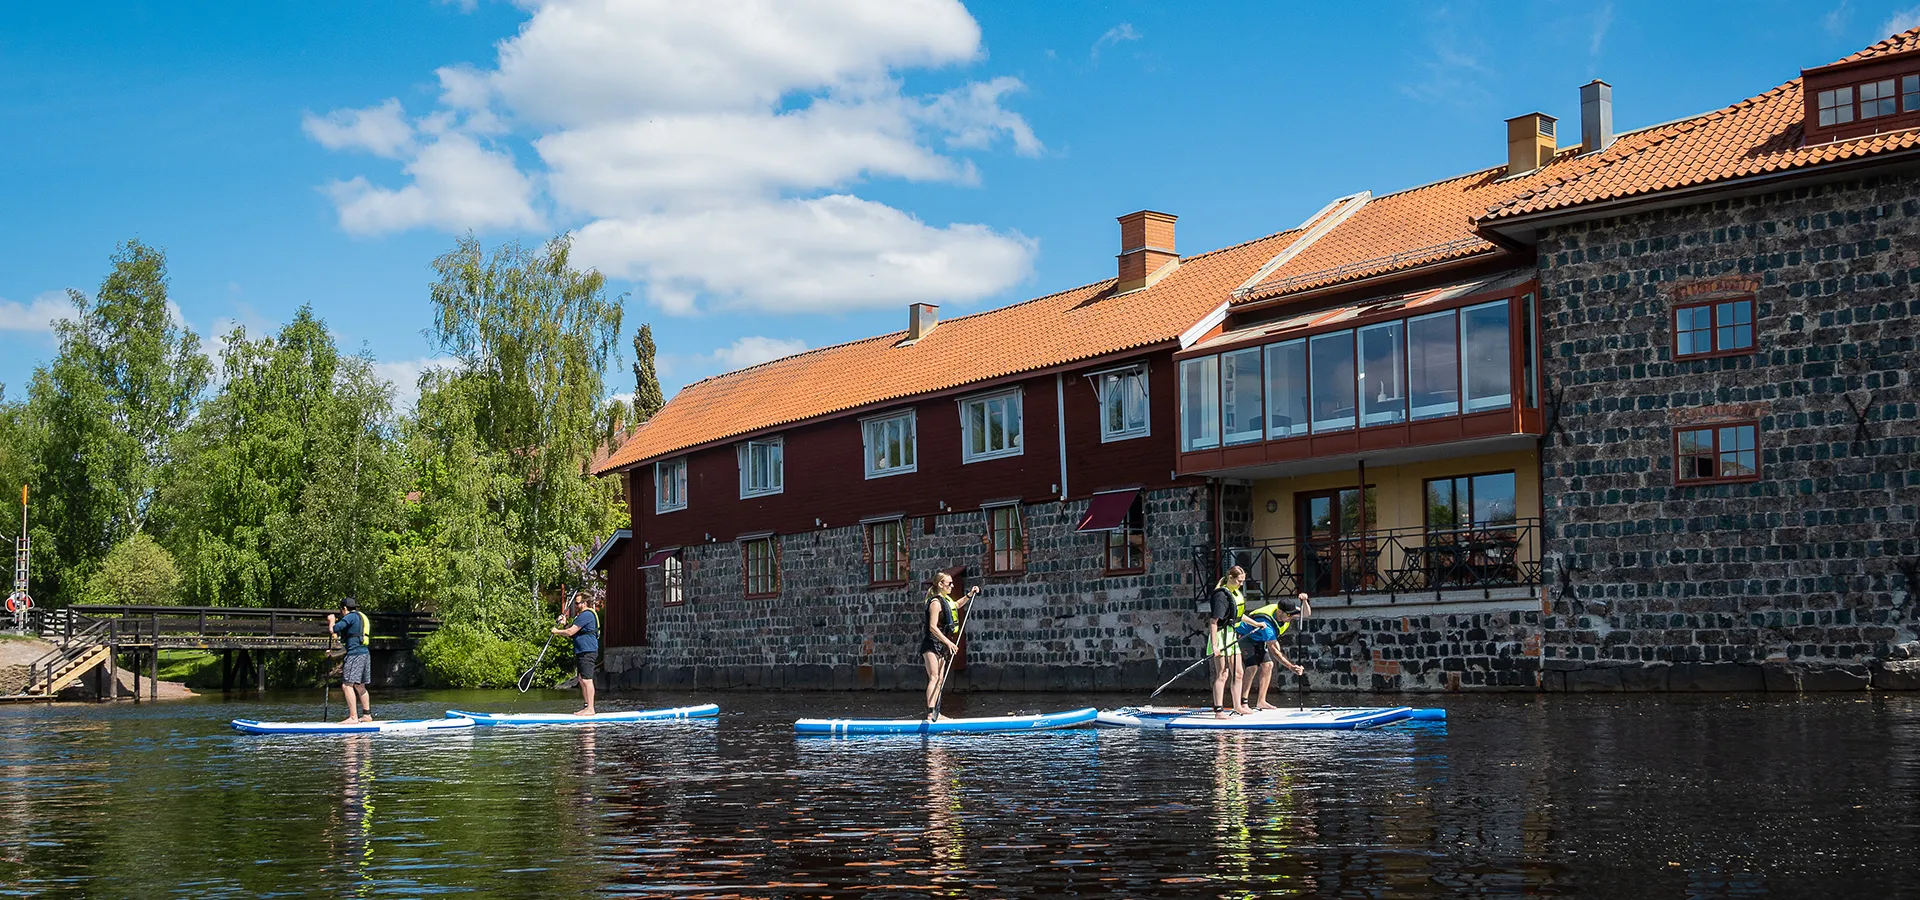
point(670, 485)
point(1877, 99)
point(1200, 403)
point(1467, 502)
point(1286, 389)
point(762, 468)
point(1123, 403)
point(1836, 106)
point(1240, 396)
point(887, 551)
point(991, 425)
point(890, 445)
point(1487, 364)
point(1433, 363)
point(1717, 453)
point(1006, 540)
point(1383, 389)
point(1331, 359)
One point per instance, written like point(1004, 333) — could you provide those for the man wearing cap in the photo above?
point(356, 670)
point(1259, 652)
point(585, 631)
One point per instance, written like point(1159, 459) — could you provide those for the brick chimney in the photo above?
point(921, 317)
point(1530, 143)
point(1146, 245)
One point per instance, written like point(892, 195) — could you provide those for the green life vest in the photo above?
point(1267, 612)
point(366, 629)
point(949, 616)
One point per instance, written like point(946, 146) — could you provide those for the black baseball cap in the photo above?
point(350, 603)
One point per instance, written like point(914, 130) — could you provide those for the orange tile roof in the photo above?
point(1756, 136)
point(1073, 325)
point(1415, 227)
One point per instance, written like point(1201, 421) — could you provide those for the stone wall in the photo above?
point(1791, 581)
point(1061, 625)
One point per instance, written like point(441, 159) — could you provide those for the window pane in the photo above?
point(977, 427)
point(1134, 388)
point(1876, 99)
point(1737, 453)
point(1696, 454)
point(907, 442)
point(1440, 513)
point(1529, 354)
point(1693, 330)
point(1487, 364)
point(1113, 404)
point(996, 425)
point(1433, 353)
point(1200, 403)
point(1910, 93)
point(1287, 389)
point(1331, 358)
point(1012, 407)
point(1493, 499)
point(1735, 330)
point(1383, 393)
point(1240, 396)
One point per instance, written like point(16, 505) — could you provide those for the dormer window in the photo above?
point(1836, 107)
point(1910, 93)
point(1877, 99)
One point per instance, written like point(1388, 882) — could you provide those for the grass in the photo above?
point(190, 666)
point(10, 636)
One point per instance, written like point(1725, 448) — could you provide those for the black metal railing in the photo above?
point(1398, 561)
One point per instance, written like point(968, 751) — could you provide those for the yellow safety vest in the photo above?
point(1225, 640)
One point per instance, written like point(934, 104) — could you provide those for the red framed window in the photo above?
point(1712, 454)
point(1006, 540)
point(760, 564)
point(1127, 545)
point(1717, 327)
point(887, 552)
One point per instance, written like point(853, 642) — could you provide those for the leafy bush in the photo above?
point(136, 572)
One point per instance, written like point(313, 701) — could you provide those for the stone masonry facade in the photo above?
point(1063, 624)
point(1801, 579)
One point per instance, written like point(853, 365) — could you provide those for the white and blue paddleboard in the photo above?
point(703, 711)
point(1324, 718)
point(250, 726)
point(944, 725)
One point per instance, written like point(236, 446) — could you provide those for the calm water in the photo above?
point(1680, 796)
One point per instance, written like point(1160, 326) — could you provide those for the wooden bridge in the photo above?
point(93, 638)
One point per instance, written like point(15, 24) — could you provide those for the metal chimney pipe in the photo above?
point(1596, 116)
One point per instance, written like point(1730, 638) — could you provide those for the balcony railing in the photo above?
point(1395, 564)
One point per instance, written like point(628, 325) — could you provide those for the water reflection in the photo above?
point(1643, 796)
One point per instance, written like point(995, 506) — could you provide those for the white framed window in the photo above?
point(762, 468)
point(890, 444)
point(990, 426)
point(1123, 403)
point(670, 485)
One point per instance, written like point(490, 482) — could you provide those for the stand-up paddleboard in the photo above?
point(249, 726)
point(703, 711)
point(1324, 718)
point(945, 725)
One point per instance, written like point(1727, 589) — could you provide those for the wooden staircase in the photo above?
point(59, 669)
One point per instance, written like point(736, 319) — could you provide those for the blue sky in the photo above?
point(770, 177)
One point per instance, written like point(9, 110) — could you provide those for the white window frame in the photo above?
point(1145, 428)
point(746, 469)
point(1018, 399)
point(660, 470)
point(911, 441)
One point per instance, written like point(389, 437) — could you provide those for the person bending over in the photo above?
point(1260, 652)
point(942, 638)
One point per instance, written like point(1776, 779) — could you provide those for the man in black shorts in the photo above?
point(356, 632)
point(585, 631)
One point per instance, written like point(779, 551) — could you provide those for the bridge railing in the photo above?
point(135, 624)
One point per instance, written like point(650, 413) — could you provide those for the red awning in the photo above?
point(1108, 511)
point(658, 557)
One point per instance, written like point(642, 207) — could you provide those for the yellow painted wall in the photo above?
point(1400, 495)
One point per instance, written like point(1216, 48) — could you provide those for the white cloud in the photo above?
point(753, 350)
point(711, 149)
point(828, 253)
point(380, 130)
point(1117, 34)
point(457, 184)
point(1904, 20)
point(38, 315)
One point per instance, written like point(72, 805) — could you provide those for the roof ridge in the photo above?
point(1668, 131)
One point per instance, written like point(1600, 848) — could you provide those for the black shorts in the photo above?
point(586, 663)
point(1252, 653)
point(929, 645)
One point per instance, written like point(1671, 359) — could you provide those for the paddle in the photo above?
point(1196, 664)
point(933, 714)
point(526, 678)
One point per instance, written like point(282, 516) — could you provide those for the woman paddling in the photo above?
point(940, 642)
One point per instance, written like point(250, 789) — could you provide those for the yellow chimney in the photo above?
point(1530, 142)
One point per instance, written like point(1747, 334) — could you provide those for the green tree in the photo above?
point(647, 399)
point(136, 572)
point(106, 411)
point(535, 335)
